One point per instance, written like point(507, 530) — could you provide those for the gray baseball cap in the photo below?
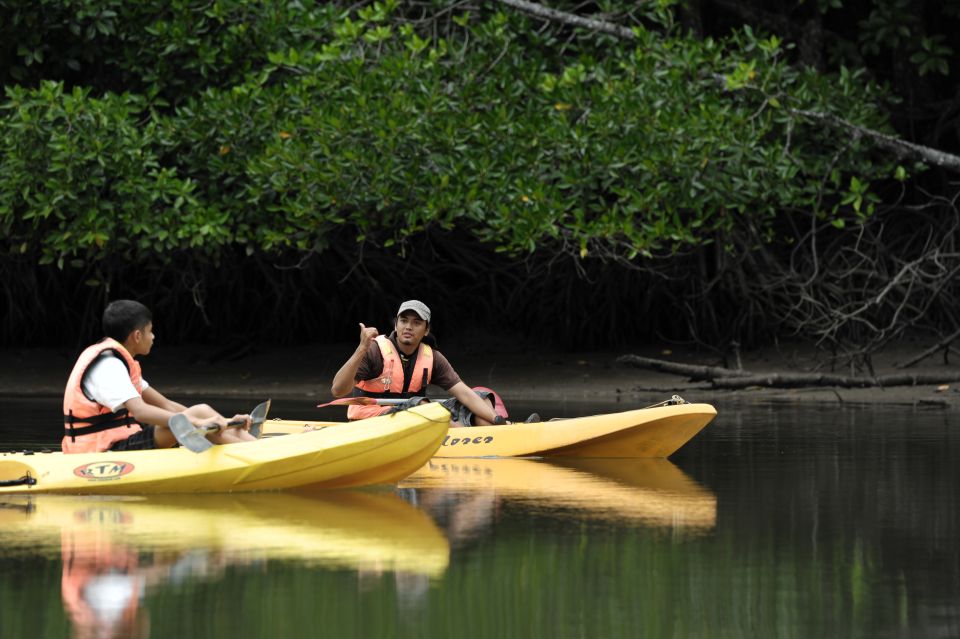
point(417, 307)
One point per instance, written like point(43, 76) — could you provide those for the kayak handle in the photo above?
point(26, 480)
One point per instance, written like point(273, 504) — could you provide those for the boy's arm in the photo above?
point(345, 378)
point(153, 397)
point(146, 413)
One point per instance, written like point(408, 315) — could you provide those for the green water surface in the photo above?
point(773, 522)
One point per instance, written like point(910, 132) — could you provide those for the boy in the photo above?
point(107, 404)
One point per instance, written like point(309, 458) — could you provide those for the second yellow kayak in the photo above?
point(646, 432)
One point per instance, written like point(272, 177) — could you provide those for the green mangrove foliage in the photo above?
point(83, 181)
point(281, 131)
point(660, 144)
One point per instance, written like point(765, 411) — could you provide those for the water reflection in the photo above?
point(114, 550)
point(802, 522)
point(466, 493)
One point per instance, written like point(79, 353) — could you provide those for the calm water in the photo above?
point(774, 522)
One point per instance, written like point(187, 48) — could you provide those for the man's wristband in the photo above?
point(498, 420)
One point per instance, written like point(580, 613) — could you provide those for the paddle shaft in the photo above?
point(234, 423)
point(370, 401)
point(257, 416)
point(194, 437)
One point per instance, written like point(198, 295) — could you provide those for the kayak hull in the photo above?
point(641, 433)
point(352, 529)
point(383, 450)
point(650, 492)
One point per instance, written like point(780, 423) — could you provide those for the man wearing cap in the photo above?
point(400, 366)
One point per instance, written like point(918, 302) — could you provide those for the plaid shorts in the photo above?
point(458, 412)
point(141, 440)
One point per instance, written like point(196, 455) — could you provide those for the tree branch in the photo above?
point(569, 18)
point(901, 147)
point(945, 342)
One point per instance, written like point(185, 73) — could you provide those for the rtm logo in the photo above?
point(103, 470)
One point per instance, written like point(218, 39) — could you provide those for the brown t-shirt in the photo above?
point(443, 374)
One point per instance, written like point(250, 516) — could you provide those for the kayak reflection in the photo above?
point(647, 492)
point(115, 549)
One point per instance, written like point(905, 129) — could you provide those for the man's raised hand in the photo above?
point(367, 335)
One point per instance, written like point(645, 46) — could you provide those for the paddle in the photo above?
point(362, 401)
point(257, 416)
point(194, 438)
point(498, 406)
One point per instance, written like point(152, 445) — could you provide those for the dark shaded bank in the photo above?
point(288, 298)
point(304, 372)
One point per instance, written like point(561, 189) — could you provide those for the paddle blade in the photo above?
point(257, 416)
point(188, 436)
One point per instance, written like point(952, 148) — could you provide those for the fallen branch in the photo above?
point(698, 373)
point(728, 378)
point(800, 380)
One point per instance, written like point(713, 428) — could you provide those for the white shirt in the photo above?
point(108, 383)
point(110, 594)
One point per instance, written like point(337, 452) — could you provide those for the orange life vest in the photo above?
point(88, 426)
point(390, 384)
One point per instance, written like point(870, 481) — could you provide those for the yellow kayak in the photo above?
point(646, 432)
point(359, 530)
point(380, 450)
point(648, 492)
